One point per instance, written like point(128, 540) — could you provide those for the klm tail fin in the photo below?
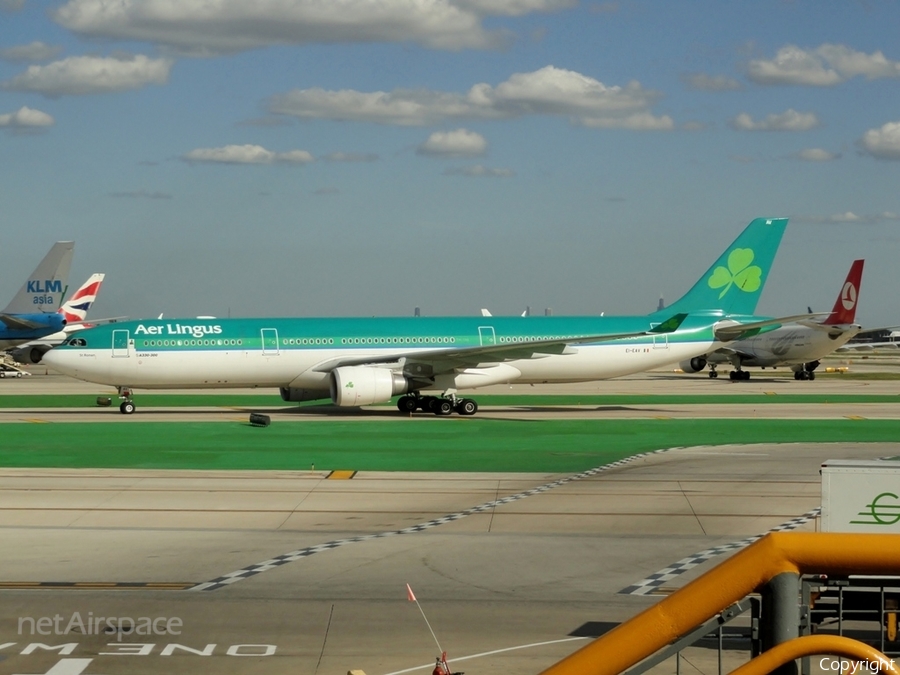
point(736, 280)
point(845, 307)
point(45, 288)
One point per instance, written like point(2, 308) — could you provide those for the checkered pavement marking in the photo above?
point(653, 581)
point(293, 556)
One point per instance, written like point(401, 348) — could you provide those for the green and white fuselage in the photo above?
point(358, 361)
point(302, 353)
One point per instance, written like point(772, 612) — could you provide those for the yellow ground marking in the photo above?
point(854, 417)
point(661, 417)
point(341, 475)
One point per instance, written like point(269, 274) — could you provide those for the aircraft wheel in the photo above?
point(443, 406)
point(126, 407)
point(733, 375)
point(426, 403)
point(407, 404)
point(713, 374)
point(745, 375)
point(812, 375)
point(796, 374)
point(467, 407)
point(803, 375)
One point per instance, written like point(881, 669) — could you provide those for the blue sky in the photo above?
point(363, 157)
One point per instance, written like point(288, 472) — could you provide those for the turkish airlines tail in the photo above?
point(844, 311)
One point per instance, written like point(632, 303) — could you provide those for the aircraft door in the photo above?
point(120, 343)
point(660, 341)
point(269, 341)
point(487, 336)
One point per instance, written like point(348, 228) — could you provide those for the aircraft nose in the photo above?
point(57, 360)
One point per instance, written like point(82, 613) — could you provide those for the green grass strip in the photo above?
point(268, 400)
point(451, 444)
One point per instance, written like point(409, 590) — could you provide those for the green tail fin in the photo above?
point(736, 280)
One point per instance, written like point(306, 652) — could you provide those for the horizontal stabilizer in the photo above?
point(14, 322)
point(736, 331)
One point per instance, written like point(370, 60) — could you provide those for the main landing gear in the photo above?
point(439, 405)
point(713, 373)
point(806, 371)
point(739, 375)
point(126, 407)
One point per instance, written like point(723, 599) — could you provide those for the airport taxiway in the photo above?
point(320, 565)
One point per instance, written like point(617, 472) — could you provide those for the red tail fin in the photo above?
point(845, 307)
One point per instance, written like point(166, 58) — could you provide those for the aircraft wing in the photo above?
point(20, 323)
point(736, 331)
point(444, 359)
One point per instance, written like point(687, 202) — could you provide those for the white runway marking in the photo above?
point(491, 653)
point(277, 561)
point(654, 581)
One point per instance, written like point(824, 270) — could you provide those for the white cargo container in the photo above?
point(861, 496)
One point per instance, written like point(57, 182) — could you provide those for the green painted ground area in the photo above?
point(451, 444)
point(267, 400)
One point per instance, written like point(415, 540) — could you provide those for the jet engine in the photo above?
point(294, 394)
point(28, 354)
point(364, 385)
point(694, 365)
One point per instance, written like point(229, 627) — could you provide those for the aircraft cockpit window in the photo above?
point(78, 342)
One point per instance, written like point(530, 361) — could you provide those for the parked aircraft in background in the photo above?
point(74, 312)
point(32, 313)
point(361, 361)
point(799, 345)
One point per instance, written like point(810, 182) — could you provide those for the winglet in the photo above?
point(670, 325)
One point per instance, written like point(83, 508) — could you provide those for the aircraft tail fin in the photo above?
point(845, 306)
point(76, 307)
point(44, 289)
point(736, 280)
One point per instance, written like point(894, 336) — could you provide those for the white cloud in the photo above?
point(704, 82)
point(208, 27)
point(884, 142)
point(35, 51)
point(848, 217)
point(548, 91)
point(246, 154)
point(514, 7)
point(26, 118)
point(478, 171)
point(816, 155)
point(78, 75)
point(789, 120)
point(458, 143)
point(824, 66)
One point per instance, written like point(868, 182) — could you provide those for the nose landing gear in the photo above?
point(126, 407)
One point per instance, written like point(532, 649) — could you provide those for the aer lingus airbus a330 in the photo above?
point(361, 361)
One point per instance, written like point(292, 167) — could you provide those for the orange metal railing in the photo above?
point(745, 572)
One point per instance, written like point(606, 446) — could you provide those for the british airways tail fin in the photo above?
point(45, 288)
point(736, 280)
point(845, 306)
point(76, 307)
